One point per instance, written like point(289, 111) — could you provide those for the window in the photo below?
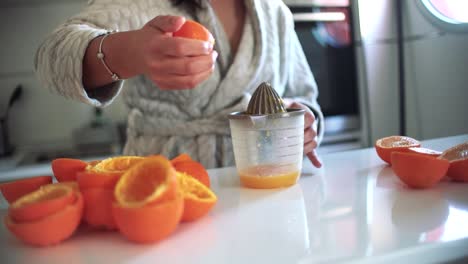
point(449, 11)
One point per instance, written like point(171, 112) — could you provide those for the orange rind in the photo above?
point(418, 171)
point(458, 158)
point(385, 146)
point(198, 199)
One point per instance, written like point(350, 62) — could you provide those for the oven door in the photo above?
point(325, 33)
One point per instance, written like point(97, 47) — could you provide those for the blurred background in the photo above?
point(383, 67)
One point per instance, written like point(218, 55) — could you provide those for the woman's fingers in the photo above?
point(186, 65)
point(167, 23)
point(309, 117)
point(310, 146)
point(181, 47)
point(309, 135)
point(172, 62)
point(181, 82)
point(313, 157)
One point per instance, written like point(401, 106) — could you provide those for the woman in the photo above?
point(180, 91)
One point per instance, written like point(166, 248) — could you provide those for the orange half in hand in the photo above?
point(418, 171)
point(385, 146)
point(198, 199)
point(65, 169)
point(193, 30)
point(51, 229)
point(458, 158)
point(149, 181)
point(45, 201)
point(15, 189)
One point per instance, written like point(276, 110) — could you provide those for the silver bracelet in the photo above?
point(100, 56)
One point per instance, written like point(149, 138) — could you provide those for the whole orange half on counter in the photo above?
point(193, 169)
point(425, 151)
point(48, 230)
point(97, 185)
point(94, 179)
point(98, 208)
point(198, 198)
point(45, 201)
point(418, 171)
point(385, 146)
point(15, 189)
point(458, 158)
point(149, 203)
point(149, 181)
point(116, 164)
point(106, 173)
point(149, 223)
point(65, 169)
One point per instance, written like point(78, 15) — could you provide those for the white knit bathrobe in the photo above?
point(191, 121)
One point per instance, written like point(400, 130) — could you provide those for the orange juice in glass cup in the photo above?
point(268, 145)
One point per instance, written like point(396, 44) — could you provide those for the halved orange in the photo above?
point(97, 184)
point(193, 169)
point(425, 151)
point(15, 189)
point(49, 230)
point(65, 169)
point(151, 180)
point(193, 30)
point(45, 201)
point(181, 157)
point(98, 207)
point(151, 222)
point(458, 158)
point(198, 199)
point(71, 184)
point(106, 173)
point(385, 146)
point(418, 171)
point(93, 179)
point(116, 164)
point(93, 163)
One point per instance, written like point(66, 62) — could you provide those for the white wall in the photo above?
point(40, 117)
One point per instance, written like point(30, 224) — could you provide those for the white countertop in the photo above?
point(353, 210)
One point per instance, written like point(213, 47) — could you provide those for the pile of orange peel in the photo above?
point(143, 198)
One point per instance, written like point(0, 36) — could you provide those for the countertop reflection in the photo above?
point(353, 210)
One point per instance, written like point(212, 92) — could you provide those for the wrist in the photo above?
point(125, 58)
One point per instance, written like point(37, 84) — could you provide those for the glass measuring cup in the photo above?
point(268, 149)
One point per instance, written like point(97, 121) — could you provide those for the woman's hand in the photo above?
point(310, 135)
point(171, 62)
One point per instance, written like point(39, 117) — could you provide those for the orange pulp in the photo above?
point(269, 176)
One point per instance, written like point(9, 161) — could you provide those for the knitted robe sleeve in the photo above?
point(59, 59)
